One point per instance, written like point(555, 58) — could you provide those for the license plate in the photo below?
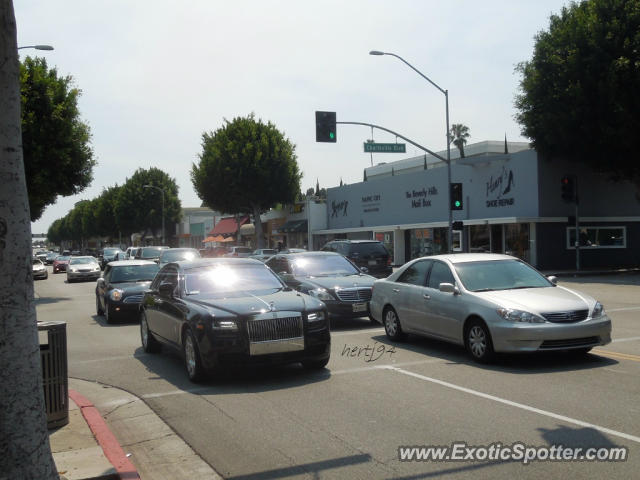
point(359, 307)
point(373, 262)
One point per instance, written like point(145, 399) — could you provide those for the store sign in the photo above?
point(339, 208)
point(421, 198)
point(499, 189)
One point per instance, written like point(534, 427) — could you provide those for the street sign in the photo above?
point(370, 147)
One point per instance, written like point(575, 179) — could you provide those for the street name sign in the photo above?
point(370, 147)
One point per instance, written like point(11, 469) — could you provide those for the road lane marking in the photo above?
point(521, 406)
point(627, 339)
point(621, 356)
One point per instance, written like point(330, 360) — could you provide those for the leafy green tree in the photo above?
point(245, 168)
point(106, 221)
point(137, 207)
point(459, 135)
point(58, 158)
point(579, 93)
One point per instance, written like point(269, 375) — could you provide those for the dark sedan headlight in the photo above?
point(116, 294)
point(321, 294)
point(519, 316)
point(315, 316)
point(598, 310)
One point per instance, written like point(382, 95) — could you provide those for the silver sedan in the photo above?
point(487, 303)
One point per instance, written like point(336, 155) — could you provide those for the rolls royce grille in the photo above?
point(269, 329)
point(566, 317)
point(354, 294)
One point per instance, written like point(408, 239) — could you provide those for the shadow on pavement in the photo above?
point(519, 363)
point(49, 300)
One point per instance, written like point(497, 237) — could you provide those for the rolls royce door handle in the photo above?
point(426, 296)
point(396, 290)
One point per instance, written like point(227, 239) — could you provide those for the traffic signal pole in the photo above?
point(577, 230)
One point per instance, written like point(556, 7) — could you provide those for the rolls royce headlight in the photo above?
point(116, 294)
point(519, 316)
point(315, 316)
point(321, 294)
point(598, 310)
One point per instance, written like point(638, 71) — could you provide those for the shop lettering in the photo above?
point(371, 198)
point(420, 203)
point(337, 207)
point(506, 176)
point(501, 202)
point(422, 193)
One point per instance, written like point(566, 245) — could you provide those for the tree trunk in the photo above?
point(24, 441)
point(258, 227)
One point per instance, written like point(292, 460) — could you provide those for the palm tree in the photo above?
point(459, 135)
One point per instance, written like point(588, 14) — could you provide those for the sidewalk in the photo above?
point(112, 435)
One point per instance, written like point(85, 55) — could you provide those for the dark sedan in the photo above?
point(119, 291)
point(329, 277)
point(228, 311)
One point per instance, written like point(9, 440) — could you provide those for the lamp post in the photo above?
point(162, 192)
point(446, 98)
point(37, 47)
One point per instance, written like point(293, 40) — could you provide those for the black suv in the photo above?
point(371, 254)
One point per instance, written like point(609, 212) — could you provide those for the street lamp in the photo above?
point(37, 47)
point(446, 98)
point(162, 192)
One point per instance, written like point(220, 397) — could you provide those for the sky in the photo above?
point(156, 75)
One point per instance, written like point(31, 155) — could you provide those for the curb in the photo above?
point(110, 446)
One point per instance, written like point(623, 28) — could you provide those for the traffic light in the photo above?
point(326, 127)
point(568, 183)
point(456, 196)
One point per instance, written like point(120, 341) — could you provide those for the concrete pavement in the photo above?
point(112, 434)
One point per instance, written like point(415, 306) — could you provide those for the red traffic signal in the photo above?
point(568, 185)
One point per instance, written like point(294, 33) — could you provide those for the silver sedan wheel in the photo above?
point(391, 323)
point(144, 332)
point(477, 341)
point(190, 356)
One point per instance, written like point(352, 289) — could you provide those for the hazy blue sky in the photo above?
point(157, 74)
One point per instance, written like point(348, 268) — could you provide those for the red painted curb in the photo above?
point(110, 446)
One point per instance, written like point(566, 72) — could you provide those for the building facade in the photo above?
point(511, 204)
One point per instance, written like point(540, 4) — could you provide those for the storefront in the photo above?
point(511, 204)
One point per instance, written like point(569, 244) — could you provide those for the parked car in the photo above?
point(175, 254)
point(293, 250)
point(228, 311)
point(39, 269)
point(149, 253)
point(487, 303)
point(83, 268)
point(60, 263)
point(237, 251)
point(131, 252)
point(329, 277)
point(121, 256)
point(370, 254)
point(42, 256)
point(119, 291)
point(108, 255)
point(51, 256)
point(263, 254)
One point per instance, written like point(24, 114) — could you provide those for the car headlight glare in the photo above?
point(598, 310)
point(320, 294)
point(116, 294)
point(519, 316)
point(315, 316)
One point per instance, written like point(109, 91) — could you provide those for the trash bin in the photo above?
point(55, 381)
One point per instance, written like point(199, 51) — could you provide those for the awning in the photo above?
point(294, 226)
point(217, 238)
point(227, 226)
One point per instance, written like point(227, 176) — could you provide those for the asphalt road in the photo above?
point(349, 420)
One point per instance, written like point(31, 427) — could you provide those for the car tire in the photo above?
point(315, 364)
point(392, 326)
point(191, 355)
point(99, 310)
point(149, 342)
point(477, 340)
point(108, 317)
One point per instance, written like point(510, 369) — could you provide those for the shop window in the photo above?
point(387, 240)
point(479, 239)
point(516, 237)
point(598, 237)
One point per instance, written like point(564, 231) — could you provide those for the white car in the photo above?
point(83, 268)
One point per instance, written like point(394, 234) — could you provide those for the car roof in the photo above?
point(354, 241)
point(203, 262)
point(471, 257)
point(121, 263)
point(180, 249)
point(309, 254)
point(84, 256)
